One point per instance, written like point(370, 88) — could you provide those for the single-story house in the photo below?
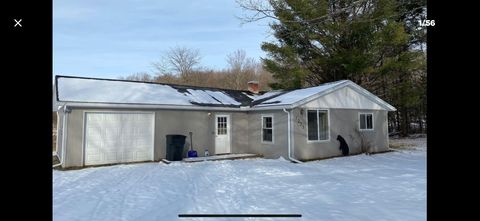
point(104, 121)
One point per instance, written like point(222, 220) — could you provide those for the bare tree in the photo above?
point(181, 65)
point(256, 10)
point(265, 9)
point(264, 77)
point(141, 76)
point(238, 60)
point(179, 60)
point(168, 79)
point(241, 70)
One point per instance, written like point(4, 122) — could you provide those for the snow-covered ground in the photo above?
point(389, 186)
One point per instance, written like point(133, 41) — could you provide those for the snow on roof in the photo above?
point(124, 92)
point(266, 95)
point(91, 90)
point(294, 96)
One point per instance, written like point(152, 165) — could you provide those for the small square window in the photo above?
point(366, 121)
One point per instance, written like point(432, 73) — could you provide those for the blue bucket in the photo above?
point(192, 153)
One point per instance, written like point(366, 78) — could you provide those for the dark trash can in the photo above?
point(175, 145)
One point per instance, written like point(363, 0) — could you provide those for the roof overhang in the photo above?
point(148, 106)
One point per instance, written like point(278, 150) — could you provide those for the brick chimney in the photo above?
point(253, 87)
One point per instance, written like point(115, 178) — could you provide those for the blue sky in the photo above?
point(111, 39)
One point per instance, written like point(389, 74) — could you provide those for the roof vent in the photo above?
point(253, 87)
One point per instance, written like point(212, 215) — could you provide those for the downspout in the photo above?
point(64, 130)
point(289, 141)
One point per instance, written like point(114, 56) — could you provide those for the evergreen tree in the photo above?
point(376, 43)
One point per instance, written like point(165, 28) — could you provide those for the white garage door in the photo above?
point(118, 137)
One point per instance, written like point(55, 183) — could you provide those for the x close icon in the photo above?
point(17, 22)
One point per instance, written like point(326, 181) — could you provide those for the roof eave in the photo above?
point(150, 106)
point(172, 107)
point(323, 93)
point(271, 107)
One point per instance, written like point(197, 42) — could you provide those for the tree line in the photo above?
point(378, 44)
point(182, 65)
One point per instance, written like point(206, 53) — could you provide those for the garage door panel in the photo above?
point(128, 156)
point(118, 137)
point(111, 156)
point(93, 158)
point(141, 154)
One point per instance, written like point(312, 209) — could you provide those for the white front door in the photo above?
point(222, 134)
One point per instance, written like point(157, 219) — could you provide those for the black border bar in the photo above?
point(238, 215)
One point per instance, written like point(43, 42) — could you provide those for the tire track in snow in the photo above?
point(117, 187)
point(132, 186)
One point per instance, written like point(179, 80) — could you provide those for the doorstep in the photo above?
point(232, 156)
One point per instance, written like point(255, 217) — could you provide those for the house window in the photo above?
point(267, 129)
point(366, 121)
point(221, 125)
point(317, 127)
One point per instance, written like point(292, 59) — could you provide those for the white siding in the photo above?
point(345, 98)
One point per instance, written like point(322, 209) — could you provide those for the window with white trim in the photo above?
point(317, 125)
point(221, 125)
point(366, 121)
point(267, 129)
